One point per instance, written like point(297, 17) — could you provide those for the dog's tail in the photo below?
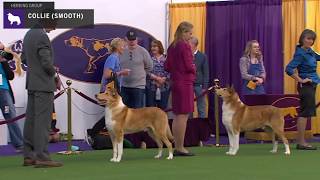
point(292, 111)
point(169, 134)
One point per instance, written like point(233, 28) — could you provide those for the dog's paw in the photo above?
point(231, 153)
point(170, 156)
point(273, 151)
point(158, 156)
point(287, 153)
point(112, 159)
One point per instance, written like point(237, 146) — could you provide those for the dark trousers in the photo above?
point(37, 125)
point(98, 126)
point(133, 97)
point(152, 102)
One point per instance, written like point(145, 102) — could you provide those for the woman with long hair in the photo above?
point(252, 69)
point(182, 75)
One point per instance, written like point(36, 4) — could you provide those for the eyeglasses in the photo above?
point(130, 56)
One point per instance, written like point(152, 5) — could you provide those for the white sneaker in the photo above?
point(143, 145)
point(88, 138)
point(201, 144)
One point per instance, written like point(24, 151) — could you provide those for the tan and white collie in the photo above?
point(122, 120)
point(237, 117)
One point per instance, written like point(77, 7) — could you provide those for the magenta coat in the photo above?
point(182, 74)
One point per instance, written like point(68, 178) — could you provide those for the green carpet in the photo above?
point(253, 162)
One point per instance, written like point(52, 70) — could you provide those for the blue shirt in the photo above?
point(112, 63)
point(306, 63)
point(5, 84)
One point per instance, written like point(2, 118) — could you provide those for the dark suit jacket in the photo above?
point(9, 75)
point(38, 55)
point(202, 75)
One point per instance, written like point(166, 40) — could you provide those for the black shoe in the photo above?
point(302, 147)
point(47, 164)
point(28, 162)
point(179, 153)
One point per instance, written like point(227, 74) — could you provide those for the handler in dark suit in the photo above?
point(202, 77)
point(41, 84)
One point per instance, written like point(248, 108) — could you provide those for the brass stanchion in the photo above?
point(69, 136)
point(216, 112)
point(216, 116)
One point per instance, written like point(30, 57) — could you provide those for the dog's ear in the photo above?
point(113, 76)
point(231, 89)
point(110, 86)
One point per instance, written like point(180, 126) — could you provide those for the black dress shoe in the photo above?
point(179, 153)
point(47, 164)
point(28, 162)
point(302, 147)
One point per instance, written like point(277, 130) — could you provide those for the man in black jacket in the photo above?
point(7, 103)
point(202, 78)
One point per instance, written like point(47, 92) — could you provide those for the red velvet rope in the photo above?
point(166, 110)
point(96, 102)
point(87, 97)
point(23, 115)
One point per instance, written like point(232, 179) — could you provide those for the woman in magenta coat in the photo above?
point(182, 73)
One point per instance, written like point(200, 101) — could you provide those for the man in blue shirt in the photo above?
point(7, 103)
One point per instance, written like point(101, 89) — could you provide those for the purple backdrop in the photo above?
point(229, 26)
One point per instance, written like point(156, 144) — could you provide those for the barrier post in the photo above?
point(69, 135)
point(216, 116)
point(69, 82)
point(216, 112)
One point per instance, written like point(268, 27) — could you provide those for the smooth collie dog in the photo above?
point(237, 117)
point(122, 120)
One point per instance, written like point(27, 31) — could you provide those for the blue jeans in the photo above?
point(133, 97)
point(152, 102)
point(201, 102)
point(8, 110)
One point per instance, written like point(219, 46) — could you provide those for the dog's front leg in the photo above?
point(230, 137)
point(236, 138)
point(119, 146)
point(114, 147)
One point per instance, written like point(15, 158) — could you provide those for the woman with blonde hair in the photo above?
point(112, 63)
point(182, 71)
point(252, 69)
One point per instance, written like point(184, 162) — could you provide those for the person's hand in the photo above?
point(306, 80)
point(125, 72)
point(2, 59)
point(259, 80)
point(57, 69)
point(161, 80)
point(58, 83)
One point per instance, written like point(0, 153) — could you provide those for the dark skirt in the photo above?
point(307, 92)
point(182, 97)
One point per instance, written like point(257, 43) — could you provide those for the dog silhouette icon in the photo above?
point(12, 18)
